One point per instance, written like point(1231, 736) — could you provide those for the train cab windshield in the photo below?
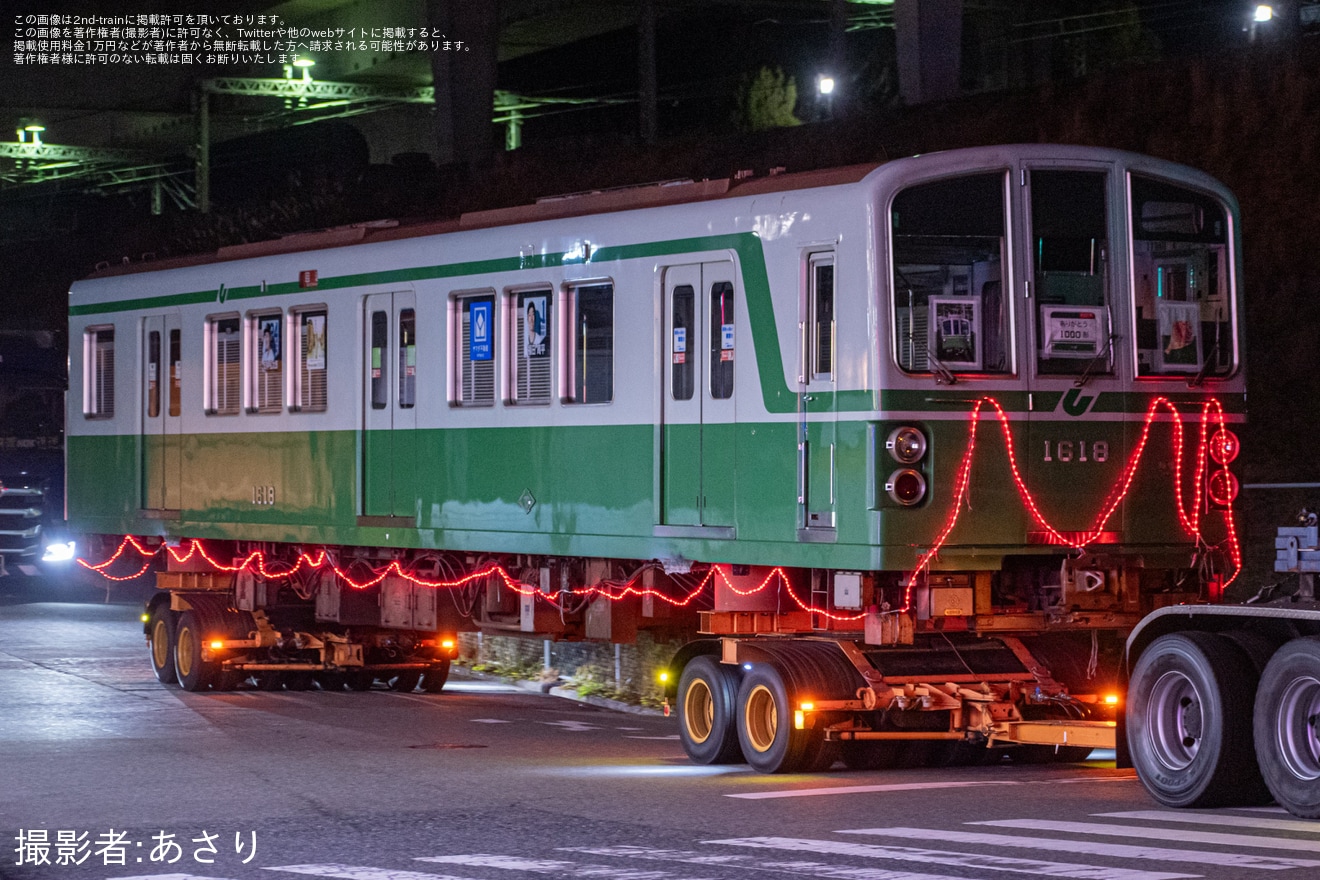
point(1082, 317)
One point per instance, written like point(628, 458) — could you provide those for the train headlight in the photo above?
point(906, 444)
point(1224, 446)
point(906, 486)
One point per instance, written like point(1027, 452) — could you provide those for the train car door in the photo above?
point(1077, 378)
point(697, 413)
point(817, 408)
point(162, 454)
point(389, 437)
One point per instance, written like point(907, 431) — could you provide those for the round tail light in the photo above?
point(1224, 446)
point(1222, 488)
point(906, 486)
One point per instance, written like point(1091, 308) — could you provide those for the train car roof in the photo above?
point(624, 198)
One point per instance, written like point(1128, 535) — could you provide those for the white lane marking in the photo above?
point(862, 789)
point(552, 866)
point(1093, 848)
point(359, 872)
point(569, 724)
point(975, 861)
point(1180, 835)
point(670, 736)
point(489, 721)
point(1216, 819)
point(170, 877)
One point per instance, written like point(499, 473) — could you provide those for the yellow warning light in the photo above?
point(216, 644)
point(664, 677)
point(146, 617)
point(447, 644)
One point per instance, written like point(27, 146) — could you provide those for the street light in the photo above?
point(305, 64)
point(1263, 13)
point(825, 94)
point(33, 128)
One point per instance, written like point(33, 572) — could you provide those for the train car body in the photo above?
point(905, 434)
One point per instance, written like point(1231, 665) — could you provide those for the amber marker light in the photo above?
point(216, 644)
point(1111, 699)
point(447, 644)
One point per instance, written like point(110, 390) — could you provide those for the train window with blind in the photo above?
point(99, 372)
point(473, 322)
point(529, 349)
point(591, 351)
point(950, 311)
point(1182, 281)
point(266, 362)
point(311, 390)
point(223, 364)
point(1070, 257)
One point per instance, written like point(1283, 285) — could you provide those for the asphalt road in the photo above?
point(106, 774)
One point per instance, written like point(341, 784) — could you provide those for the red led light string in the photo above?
point(1189, 521)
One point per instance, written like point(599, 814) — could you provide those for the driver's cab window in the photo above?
point(1070, 259)
point(950, 311)
point(1181, 281)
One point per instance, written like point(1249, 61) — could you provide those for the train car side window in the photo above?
point(475, 350)
point(153, 374)
point(380, 343)
point(99, 372)
point(531, 345)
point(591, 354)
point(683, 313)
point(820, 320)
point(176, 373)
point(1181, 281)
point(311, 385)
point(223, 364)
point(266, 362)
point(721, 340)
point(1070, 254)
point(950, 312)
point(407, 358)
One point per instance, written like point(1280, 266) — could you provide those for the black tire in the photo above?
point(405, 680)
point(707, 696)
point(769, 741)
point(1287, 727)
point(433, 680)
point(160, 628)
point(194, 673)
point(870, 754)
point(1187, 728)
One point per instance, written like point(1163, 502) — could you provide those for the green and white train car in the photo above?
point(921, 440)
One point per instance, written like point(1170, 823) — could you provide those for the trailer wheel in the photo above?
point(707, 696)
point(161, 627)
point(1287, 727)
point(770, 743)
point(433, 680)
point(1187, 730)
point(194, 673)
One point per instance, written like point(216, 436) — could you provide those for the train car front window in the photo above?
point(1181, 281)
point(950, 314)
point(1070, 256)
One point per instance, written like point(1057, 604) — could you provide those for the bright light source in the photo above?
point(62, 552)
point(216, 645)
point(447, 644)
point(664, 676)
point(1111, 699)
point(303, 62)
point(146, 617)
point(825, 85)
point(807, 707)
point(1264, 12)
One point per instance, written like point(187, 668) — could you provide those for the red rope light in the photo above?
point(1188, 518)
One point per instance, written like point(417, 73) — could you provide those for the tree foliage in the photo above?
point(766, 100)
